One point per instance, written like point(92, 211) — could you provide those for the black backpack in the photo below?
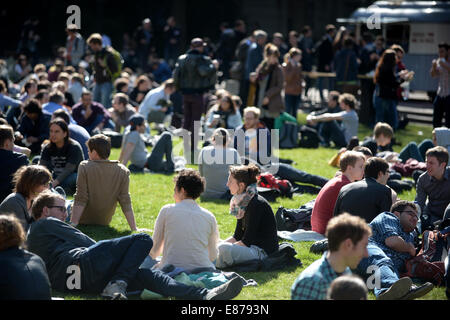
point(116, 138)
point(293, 219)
point(289, 136)
point(309, 138)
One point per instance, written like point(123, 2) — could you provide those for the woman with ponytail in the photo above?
point(255, 236)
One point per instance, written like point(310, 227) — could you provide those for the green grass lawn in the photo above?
point(150, 192)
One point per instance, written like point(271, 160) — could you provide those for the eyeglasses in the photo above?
point(62, 208)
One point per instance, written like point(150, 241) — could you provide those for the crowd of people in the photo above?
point(59, 123)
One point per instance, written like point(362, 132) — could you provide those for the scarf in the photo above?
point(239, 202)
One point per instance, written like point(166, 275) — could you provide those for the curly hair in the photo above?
point(191, 181)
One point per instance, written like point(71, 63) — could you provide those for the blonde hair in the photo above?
point(292, 53)
point(254, 110)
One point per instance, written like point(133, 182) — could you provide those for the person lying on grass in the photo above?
point(78, 264)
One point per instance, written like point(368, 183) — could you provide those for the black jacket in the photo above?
point(258, 226)
point(194, 73)
point(23, 276)
point(366, 199)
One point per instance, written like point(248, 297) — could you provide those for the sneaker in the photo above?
point(398, 290)
point(418, 291)
point(115, 290)
point(227, 291)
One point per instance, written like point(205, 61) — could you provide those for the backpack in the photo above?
point(309, 138)
point(269, 181)
point(294, 219)
point(428, 264)
point(116, 137)
point(289, 136)
point(119, 61)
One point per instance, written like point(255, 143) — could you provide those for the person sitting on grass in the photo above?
point(61, 156)
point(214, 162)
point(10, 161)
point(109, 267)
point(381, 139)
point(347, 245)
point(352, 168)
point(23, 275)
point(134, 149)
point(370, 196)
point(255, 236)
point(29, 182)
point(433, 187)
point(332, 130)
point(186, 234)
point(101, 183)
point(391, 244)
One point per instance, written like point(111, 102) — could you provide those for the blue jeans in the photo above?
point(386, 111)
point(99, 119)
point(288, 172)
point(412, 150)
point(69, 184)
point(292, 103)
point(441, 108)
point(120, 259)
point(387, 270)
point(332, 131)
point(102, 93)
point(330, 83)
point(162, 148)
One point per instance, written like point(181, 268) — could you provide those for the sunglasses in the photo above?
point(62, 208)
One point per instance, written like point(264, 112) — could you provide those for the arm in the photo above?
point(213, 241)
point(325, 117)
point(421, 195)
point(398, 244)
point(276, 89)
point(126, 153)
point(81, 196)
point(158, 235)
point(125, 202)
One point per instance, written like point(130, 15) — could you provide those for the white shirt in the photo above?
point(187, 235)
point(150, 101)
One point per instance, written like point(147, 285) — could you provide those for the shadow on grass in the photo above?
point(102, 232)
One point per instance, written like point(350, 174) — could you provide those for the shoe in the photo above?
point(115, 290)
point(227, 291)
point(418, 291)
point(319, 247)
point(398, 290)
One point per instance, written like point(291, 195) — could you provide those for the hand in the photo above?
point(253, 77)
point(55, 183)
point(215, 63)
point(265, 101)
point(32, 139)
point(101, 63)
point(327, 68)
point(163, 109)
point(411, 249)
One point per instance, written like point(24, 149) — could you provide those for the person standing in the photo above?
point(194, 75)
point(75, 46)
point(441, 68)
point(105, 69)
point(293, 81)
